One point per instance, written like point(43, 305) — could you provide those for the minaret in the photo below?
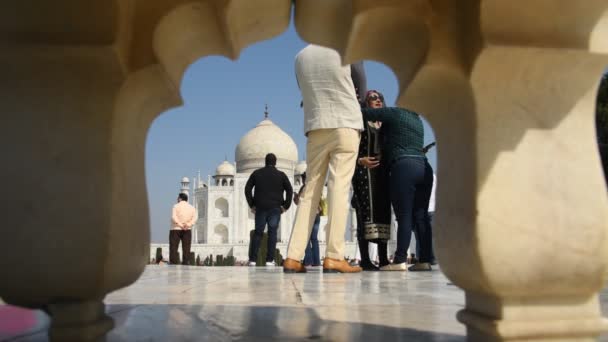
point(185, 186)
point(200, 181)
point(195, 204)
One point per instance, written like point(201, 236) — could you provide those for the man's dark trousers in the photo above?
point(175, 236)
point(272, 217)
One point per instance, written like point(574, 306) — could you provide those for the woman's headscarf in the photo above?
point(369, 93)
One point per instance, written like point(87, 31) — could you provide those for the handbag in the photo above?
point(323, 207)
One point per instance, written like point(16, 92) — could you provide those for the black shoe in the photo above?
point(420, 267)
point(369, 266)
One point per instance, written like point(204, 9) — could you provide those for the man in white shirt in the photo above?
point(183, 217)
point(332, 123)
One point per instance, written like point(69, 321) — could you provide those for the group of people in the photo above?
point(350, 132)
point(353, 140)
point(392, 170)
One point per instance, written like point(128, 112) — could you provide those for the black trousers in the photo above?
point(422, 228)
point(408, 191)
point(175, 236)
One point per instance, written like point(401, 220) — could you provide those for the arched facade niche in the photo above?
point(220, 234)
point(221, 207)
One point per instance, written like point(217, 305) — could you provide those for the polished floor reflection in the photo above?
point(181, 303)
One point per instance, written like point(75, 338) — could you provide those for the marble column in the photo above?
point(80, 88)
point(509, 88)
point(71, 145)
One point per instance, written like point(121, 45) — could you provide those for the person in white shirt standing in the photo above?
point(183, 218)
point(333, 124)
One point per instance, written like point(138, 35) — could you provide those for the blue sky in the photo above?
point(223, 100)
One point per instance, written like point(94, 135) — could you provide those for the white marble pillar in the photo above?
point(79, 92)
point(67, 107)
point(510, 92)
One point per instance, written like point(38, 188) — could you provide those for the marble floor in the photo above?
point(185, 303)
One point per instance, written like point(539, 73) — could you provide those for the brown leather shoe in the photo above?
point(339, 266)
point(292, 266)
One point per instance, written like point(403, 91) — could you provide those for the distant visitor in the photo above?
point(183, 218)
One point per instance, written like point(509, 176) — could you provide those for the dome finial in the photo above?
point(266, 111)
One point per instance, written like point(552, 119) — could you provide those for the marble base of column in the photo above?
point(79, 321)
point(532, 319)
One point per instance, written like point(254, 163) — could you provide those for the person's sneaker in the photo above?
point(270, 263)
point(420, 267)
point(251, 263)
point(394, 267)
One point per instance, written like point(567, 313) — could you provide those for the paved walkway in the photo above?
point(181, 303)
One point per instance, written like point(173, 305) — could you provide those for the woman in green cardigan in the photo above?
point(403, 155)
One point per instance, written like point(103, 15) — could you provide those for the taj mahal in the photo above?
point(224, 219)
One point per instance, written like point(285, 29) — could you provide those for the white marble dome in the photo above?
point(185, 180)
point(300, 168)
point(266, 138)
point(225, 169)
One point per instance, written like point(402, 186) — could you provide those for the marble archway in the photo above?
point(508, 89)
point(220, 234)
point(222, 208)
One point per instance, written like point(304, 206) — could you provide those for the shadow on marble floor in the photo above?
point(247, 323)
point(153, 322)
point(241, 304)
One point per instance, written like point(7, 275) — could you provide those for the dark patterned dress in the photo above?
point(370, 191)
